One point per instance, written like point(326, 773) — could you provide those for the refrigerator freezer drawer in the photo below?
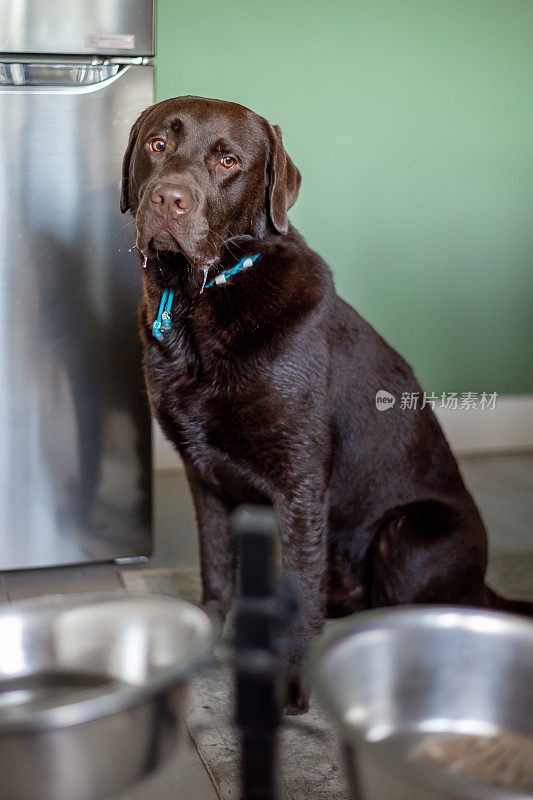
point(75, 468)
point(109, 27)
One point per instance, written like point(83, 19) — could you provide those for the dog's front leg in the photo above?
point(217, 555)
point(303, 523)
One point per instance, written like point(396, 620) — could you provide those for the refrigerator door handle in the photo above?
point(47, 78)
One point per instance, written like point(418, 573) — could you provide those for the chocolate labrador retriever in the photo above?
point(266, 381)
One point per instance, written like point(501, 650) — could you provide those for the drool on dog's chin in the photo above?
point(161, 243)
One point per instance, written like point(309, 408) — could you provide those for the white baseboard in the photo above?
point(163, 454)
point(506, 427)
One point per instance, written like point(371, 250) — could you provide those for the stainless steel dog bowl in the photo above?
point(91, 691)
point(391, 678)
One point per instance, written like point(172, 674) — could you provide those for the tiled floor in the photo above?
point(503, 489)
point(502, 486)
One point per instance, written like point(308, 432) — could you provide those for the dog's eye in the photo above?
point(157, 145)
point(228, 162)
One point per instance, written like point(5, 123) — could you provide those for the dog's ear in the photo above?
point(124, 190)
point(284, 181)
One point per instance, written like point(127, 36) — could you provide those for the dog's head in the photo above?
point(198, 172)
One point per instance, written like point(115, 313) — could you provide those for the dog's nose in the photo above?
point(170, 200)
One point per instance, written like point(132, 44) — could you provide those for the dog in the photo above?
point(266, 382)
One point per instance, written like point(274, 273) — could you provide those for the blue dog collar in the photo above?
point(163, 322)
point(222, 277)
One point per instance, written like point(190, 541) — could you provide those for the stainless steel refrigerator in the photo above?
point(75, 469)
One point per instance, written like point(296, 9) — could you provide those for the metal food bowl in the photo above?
point(91, 691)
point(392, 678)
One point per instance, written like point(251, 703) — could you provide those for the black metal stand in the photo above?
point(260, 619)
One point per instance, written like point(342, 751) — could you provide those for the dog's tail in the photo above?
point(499, 603)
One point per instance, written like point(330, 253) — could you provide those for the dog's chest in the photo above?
point(222, 422)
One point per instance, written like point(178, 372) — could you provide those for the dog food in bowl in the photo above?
point(415, 690)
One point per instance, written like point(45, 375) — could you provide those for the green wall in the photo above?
point(412, 124)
